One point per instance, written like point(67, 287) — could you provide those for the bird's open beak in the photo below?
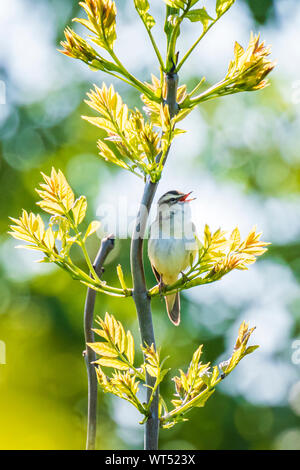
point(185, 197)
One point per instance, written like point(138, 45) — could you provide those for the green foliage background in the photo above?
point(43, 384)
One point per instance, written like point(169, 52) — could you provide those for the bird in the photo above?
point(172, 244)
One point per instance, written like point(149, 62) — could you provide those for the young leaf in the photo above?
point(49, 239)
point(101, 21)
point(79, 210)
point(235, 239)
point(114, 363)
point(222, 6)
point(56, 193)
point(176, 3)
point(199, 15)
point(119, 341)
point(92, 228)
point(121, 277)
point(130, 347)
point(103, 349)
point(142, 7)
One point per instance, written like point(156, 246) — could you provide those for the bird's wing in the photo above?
point(156, 273)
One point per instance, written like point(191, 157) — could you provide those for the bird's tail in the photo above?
point(173, 308)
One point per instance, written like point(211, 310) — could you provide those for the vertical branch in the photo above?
point(140, 294)
point(143, 307)
point(106, 246)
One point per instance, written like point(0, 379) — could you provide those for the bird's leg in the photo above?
point(184, 277)
point(161, 285)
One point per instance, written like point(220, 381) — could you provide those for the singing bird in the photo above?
point(172, 244)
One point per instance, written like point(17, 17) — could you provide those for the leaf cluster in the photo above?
point(131, 142)
point(246, 72)
point(63, 230)
point(195, 387)
point(192, 389)
point(249, 67)
point(142, 7)
point(218, 254)
point(177, 12)
point(117, 351)
point(101, 23)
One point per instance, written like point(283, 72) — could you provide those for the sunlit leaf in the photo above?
point(114, 363)
point(56, 193)
point(101, 21)
point(79, 210)
point(223, 5)
point(130, 347)
point(235, 239)
point(199, 15)
point(92, 228)
point(103, 349)
point(142, 7)
point(248, 69)
point(49, 239)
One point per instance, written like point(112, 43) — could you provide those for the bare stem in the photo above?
point(140, 294)
point(107, 245)
point(205, 31)
point(156, 49)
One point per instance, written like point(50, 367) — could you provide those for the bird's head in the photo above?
point(175, 197)
point(174, 201)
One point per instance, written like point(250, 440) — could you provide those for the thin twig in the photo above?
point(140, 294)
point(107, 244)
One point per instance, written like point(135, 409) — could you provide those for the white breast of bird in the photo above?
point(172, 242)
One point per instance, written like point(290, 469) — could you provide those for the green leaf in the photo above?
point(176, 3)
point(142, 7)
point(101, 333)
point(130, 347)
point(79, 210)
point(102, 123)
point(235, 239)
point(203, 397)
point(183, 4)
point(49, 239)
point(199, 15)
point(222, 6)
point(193, 368)
point(121, 277)
point(103, 349)
point(153, 371)
point(51, 207)
point(121, 338)
point(101, 21)
point(92, 228)
point(215, 375)
point(250, 350)
point(114, 363)
point(162, 375)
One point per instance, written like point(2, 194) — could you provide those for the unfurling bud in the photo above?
point(249, 67)
point(75, 46)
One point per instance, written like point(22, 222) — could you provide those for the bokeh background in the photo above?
point(241, 158)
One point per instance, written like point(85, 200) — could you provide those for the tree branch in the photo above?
point(107, 244)
point(140, 294)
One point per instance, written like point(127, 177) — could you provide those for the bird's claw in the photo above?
point(161, 286)
point(184, 277)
